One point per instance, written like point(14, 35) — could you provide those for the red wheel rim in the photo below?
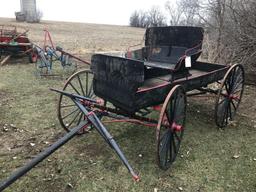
point(171, 127)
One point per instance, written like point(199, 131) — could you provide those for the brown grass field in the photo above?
point(28, 124)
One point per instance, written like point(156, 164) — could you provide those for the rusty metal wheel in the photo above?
point(229, 95)
point(171, 126)
point(69, 114)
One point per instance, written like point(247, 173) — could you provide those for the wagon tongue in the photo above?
point(41, 156)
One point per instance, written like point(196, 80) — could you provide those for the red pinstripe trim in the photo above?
point(154, 87)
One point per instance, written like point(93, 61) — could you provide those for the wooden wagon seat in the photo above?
point(170, 57)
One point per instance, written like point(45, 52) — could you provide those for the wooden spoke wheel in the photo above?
point(69, 114)
point(229, 95)
point(171, 126)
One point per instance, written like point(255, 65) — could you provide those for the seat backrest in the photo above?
point(171, 44)
point(166, 54)
point(180, 36)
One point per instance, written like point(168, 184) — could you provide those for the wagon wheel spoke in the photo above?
point(227, 115)
point(229, 95)
point(64, 117)
point(239, 80)
point(179, 113)
point(230, 111)
point(177, 137)
point(171, 126)
point(221, 101)
point(80, 83)
point(65, 106)
point(168, 113)
point(87, 80)
point(90, 93)
point(179, 118)
point(80, 118)
point(173, 108)
point(237, 90)
point(73, 120)
point(231, 81)
point(225, 112)
point(238, 84)
point(74, 88)
point(165, 143)
point(234, 106)
point(174, 144)
point(227, 88)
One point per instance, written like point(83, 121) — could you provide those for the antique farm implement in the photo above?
point(49, 54)
point(15, 42)
point(157, 77)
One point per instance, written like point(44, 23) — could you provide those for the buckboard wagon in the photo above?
point(127, 89)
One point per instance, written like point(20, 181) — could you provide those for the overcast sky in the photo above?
point(88, 11)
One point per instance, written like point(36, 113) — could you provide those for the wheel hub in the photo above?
point(175, 127)
point(232, 97)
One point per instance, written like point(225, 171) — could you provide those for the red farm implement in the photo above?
point(15, 42)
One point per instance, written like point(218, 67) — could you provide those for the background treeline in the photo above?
point(230, 27)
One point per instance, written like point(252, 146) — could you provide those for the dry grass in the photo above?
point(83, 39)
point(28, 117)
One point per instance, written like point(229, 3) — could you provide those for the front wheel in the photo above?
point(171, 125)
point(80, 83)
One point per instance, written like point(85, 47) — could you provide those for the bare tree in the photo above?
point(230, 27)
point(156, 18)
point(183, 12)
point(139, 19)
point(135, 19)
point(174, 12)
point(230, 31)
point(151, 18)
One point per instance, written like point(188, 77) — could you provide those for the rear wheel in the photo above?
point(229, 96)
point(171, 126)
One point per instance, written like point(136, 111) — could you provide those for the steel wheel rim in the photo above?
point(168, 135)
point(69, 114)
point(229, 96)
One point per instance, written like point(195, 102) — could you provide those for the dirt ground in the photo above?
point(28, 124)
